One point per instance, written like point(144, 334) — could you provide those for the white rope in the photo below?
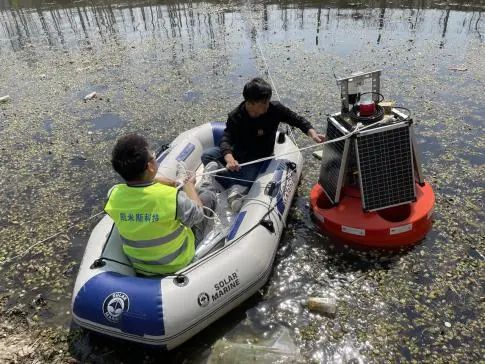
point(214, 215)
point(262, 54)
point(182, 183)
point(50, 237)
point(267, 71)
point(235, 179)
point(357, 129)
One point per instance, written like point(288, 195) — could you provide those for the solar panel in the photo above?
point(384, 157)
point(418, 173)
point(334, 157)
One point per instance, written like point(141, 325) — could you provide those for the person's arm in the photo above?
point(189, 213)
point(318, 138)
point(227, 139)
point(191, 193)
point(293, 119)
point(226, 146)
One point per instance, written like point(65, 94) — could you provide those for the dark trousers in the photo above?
point(247, 173)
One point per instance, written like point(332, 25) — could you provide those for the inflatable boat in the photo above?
point(165, 311)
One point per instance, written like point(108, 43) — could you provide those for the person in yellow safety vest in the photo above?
point(156, 221)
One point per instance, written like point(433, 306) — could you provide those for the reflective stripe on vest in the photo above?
point(153, 242)
point(164, 260)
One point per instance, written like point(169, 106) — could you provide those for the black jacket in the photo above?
point(249, 139)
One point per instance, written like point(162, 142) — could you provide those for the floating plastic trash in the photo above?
point(4, 98)
point(90, 96)
point(325, 305)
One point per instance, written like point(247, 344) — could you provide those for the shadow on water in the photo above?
point(191, 96)
point(48, 126)
point(106, 121)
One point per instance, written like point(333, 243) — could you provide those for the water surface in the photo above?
point(161, 67)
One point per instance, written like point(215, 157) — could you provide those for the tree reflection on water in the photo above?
point(66, 23)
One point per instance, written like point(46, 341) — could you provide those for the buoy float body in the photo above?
point(391, 228)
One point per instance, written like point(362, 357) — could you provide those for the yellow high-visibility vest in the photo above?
point(153, 239)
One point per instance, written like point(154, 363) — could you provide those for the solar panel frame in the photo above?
point(416, 158)
point(357, 82)
point(333, 152)
point(416, 155)
point(378, 182)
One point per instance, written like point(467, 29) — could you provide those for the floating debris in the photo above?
point(4, 98)
point(401, 300)
point(458, 68)
point(90, 96)
point(325, 305)
point(228, 352)
point(281, 350)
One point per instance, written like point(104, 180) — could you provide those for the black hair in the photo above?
point(257, 90)
point(130, 156)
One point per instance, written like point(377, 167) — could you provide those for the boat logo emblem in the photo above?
point(114, 305)
point(203, 299)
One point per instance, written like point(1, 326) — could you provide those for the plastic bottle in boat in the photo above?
point(215, 236)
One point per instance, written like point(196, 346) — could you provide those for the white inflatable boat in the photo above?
point(166, 311)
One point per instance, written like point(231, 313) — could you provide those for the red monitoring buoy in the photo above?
point(371, 192)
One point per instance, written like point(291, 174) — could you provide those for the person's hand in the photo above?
point(190, 190)
point(189, 177)
point(231, 163)
point(317, 138)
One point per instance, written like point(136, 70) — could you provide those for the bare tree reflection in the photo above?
point(477, 29)
point(445, 27)
point(319, 14)
point(193, 23)
point(381, 23)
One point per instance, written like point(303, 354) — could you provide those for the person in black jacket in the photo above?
point(249, 135)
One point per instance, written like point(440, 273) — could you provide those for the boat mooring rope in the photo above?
point(50, 237)
point(359, 127)
point(339, 139)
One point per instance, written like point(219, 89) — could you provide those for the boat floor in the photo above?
point(218, 225)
